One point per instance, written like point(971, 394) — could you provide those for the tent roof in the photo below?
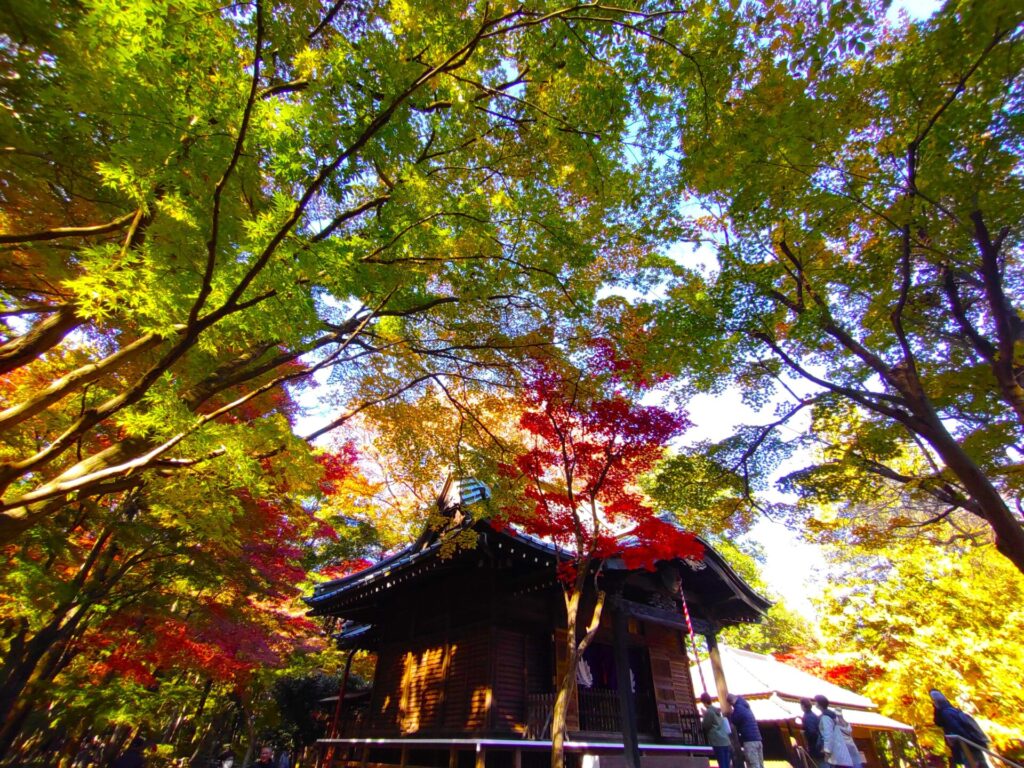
point(774, 689)
point(778, 710)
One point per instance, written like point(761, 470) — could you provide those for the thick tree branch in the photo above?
point(873, 401)
point(1006, 318)
point(44, 335)
point(985, 349)
point(60, 232)
point(71, 382)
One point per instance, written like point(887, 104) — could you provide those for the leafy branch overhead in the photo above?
point(204, 205)
point(862, 179)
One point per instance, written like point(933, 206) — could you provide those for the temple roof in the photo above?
point(716, 594)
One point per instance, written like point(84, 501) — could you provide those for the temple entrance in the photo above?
point(598, 687)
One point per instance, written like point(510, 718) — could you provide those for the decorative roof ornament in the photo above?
point(459, 494)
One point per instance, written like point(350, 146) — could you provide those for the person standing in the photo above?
point(265, 760)
point(134, 756)
point(716, 729)
point(957, 723)
point(809, 724)
point(851, 744)
point(833, 741)
point(745, 724)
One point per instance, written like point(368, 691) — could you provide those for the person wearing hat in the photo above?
point(956, 725)
point(851, 745)
point(833, 741)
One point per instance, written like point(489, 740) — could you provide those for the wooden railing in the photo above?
point(692, 732)
point(599, 713)
point(539, 707)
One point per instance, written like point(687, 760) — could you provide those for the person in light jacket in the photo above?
point(851, 745)
point(716, 729)
point(832, 738)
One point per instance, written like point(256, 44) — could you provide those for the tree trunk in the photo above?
point(39, 659)
point(187, 734)
point(250, 734)
point(16, 675)
point(1009, 533)
point(44, 335)
point(567, 683)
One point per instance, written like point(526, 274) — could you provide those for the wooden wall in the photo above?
point(477, 681)
point(471, 682)
point(673, 688)
point(454, 663)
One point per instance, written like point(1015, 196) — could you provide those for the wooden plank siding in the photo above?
point(438, 676)
point(473, 681)
point(469, 692)
point(673, 690)
point(510, 681)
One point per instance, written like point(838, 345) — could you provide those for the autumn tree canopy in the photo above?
point(861, 181)
point(225, 232)
point(205, 204)
point(575, 483)
point(905, 612)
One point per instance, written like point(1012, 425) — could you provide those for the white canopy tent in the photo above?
point(774, 689)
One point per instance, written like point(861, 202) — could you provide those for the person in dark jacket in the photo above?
point(745, 725)
point(809, 723)
point(134, 756)
point(957, 723)
point(265, 760)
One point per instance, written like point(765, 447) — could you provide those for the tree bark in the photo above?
point(1008, 530)
point(17, 674)
point(566, 685)
point(44, 335)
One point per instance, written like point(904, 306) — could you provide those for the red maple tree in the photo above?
point(586, 451)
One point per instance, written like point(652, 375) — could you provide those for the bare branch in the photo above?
point(211, 244)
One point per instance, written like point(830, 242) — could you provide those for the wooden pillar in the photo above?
point(329, 752)
point(627, 702)
point(715, 657)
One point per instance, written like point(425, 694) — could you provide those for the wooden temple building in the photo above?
point(469, 645)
